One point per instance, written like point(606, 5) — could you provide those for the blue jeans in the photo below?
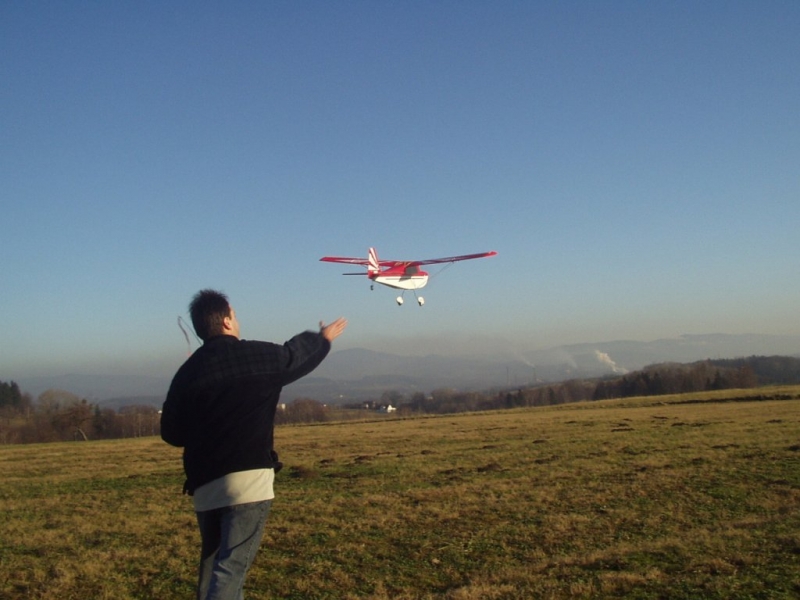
point(230, 539)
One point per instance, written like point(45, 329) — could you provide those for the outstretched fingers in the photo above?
point(334, 330)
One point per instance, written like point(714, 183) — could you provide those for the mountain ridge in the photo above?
point(358, 373)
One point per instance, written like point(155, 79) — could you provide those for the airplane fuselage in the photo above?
point(401, 280)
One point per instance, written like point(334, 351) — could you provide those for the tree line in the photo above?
point(58, 415)
point(655, 380)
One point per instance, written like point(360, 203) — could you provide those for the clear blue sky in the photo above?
point(635, 164)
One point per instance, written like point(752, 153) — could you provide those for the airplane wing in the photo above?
point(345, 260)
point(397, 263)
point(365, 261)
point(451, 259)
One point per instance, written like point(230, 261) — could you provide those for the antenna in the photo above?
point(181, 322)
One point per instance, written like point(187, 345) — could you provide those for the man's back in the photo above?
point(221, 404)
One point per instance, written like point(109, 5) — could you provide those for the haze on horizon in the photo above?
point(634, 165)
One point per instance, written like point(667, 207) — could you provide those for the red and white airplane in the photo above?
point(399, 274)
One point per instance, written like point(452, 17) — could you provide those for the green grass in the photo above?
point(670, 497)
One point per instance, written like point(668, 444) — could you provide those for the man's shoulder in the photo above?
point(228, 344)
point(256, 347)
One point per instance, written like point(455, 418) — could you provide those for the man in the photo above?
point(220, 409)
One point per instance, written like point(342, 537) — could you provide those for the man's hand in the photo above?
point(334, 330)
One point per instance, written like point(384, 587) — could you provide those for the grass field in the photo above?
point(668, 497)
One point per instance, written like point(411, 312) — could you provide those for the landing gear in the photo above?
point(420, 299)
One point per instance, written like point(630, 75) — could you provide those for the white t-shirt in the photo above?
point(235, 488)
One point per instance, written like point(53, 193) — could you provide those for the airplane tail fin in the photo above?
point(373, 268)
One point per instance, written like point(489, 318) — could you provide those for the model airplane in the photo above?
point(399, 274)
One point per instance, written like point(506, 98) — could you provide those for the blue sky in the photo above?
point(635, 165)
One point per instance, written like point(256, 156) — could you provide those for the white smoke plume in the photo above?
point(604, 358)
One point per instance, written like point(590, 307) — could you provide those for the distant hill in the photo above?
point(355, 374)
point(359, 373)
point(633, 355)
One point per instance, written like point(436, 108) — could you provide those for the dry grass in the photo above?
point(646, 498)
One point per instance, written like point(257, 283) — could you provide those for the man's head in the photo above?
point(212, 315)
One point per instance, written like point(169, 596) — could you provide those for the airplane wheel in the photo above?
point(399, 301)
point(421, 300)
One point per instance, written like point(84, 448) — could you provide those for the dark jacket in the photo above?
point(221, 404)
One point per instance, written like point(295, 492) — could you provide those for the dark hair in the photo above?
point(208, 310)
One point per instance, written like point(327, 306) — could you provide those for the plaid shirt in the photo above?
point(221, 404)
